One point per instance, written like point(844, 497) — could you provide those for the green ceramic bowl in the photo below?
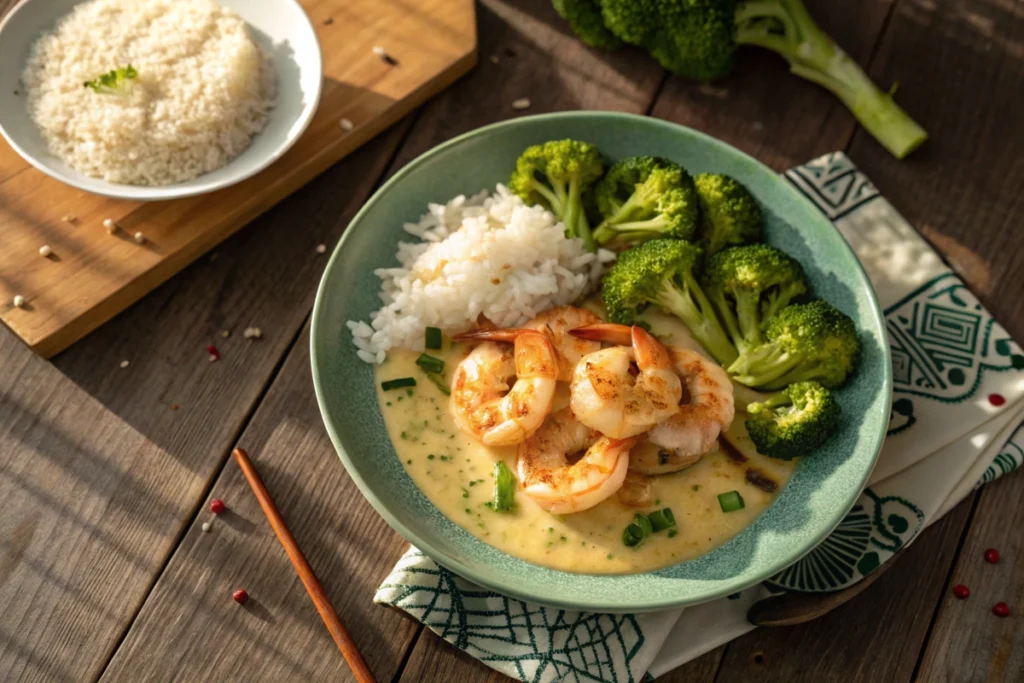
point(822, 489)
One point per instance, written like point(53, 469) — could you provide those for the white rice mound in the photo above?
point(203, 89)
point(489, 255)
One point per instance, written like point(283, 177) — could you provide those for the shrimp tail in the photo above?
point(620, 335)
point(507, 335)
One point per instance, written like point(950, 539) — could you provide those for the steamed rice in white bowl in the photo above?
point(207, 74)
point(490, 255)
point(203, 89)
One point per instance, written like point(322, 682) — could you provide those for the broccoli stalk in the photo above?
point(793, 422)
point(697, 39)
point(660, 272)
point(641, 198)
point(785, 27)
point(556, 174)
point(748, 285)
point(803, 342)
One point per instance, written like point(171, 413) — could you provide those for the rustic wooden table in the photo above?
point(106, 472)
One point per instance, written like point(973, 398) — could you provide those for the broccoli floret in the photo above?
point(697, 38)
point(793, 422)
point(642, 198)
point(584, 17)
point(750, 284)
point(812, 341)
point(729, 214)
point(661, 272)
point(555, 175)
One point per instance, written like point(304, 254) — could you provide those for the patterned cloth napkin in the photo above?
point(956, 423)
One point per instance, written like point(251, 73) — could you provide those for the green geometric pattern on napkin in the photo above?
point(523, 640)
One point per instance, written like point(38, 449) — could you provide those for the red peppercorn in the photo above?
point(217, 506)
point(1001, 609)
point(996, 399)
point(961, 591)
point(214, 353)
point(991, 555)
point(240, 596)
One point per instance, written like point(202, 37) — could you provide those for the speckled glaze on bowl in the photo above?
point(823, 487)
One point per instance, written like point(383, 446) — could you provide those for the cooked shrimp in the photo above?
point(636, 491)
point(482, 403)
point(648, 458)
point(683, 438)
point(558, 321)
point(561, 488)
point(607, 397)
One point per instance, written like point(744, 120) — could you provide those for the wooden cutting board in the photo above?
point(92, 276)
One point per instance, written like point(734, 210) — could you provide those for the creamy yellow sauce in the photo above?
point(456, 474)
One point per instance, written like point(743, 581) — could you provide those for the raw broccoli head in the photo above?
point(661, 272)
point(748, 285)
point(812, 341)
point(793, 422)
point(693, 38)
point(584, 17)
point(642, 198)
point(555, 175)
point(729, 215)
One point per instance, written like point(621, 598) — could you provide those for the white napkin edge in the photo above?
point(728, 624)
point(970, 481)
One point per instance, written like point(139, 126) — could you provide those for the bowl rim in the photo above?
point(179, 190)
point(598, 604)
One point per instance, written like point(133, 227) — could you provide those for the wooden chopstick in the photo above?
point(316, 592)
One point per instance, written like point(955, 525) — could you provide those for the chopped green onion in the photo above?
point(398, 383)
point(504, 487)
point(632, 535)
point(433, 338)
point(439, 383)
point(644, 524)
point(113, 82)
point(429, 363)
point(672, 533)
point(662, 519)
point(731, 501)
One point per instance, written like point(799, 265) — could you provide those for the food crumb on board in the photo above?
point(225, 333)
point(205, 526)
point(321, 248)
point(125, 363)
point(495, 59)
point(521, 103)
point(68, 218)
point(45, 251)
point(214, 353)
point(346, 124)
point(383, 54)
point(328, 21)
point(252, 333)
point(139, 238)
point(110, 225)
point(174, 406)
point(18, 301)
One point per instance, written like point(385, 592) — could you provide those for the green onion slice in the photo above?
point(662, 519)
point(644, 524)
point(398, 383)
point(731, 501)
point(429, 363)
point(433, 338)
point(504, 487)
point(632, 535)
point(439, 383)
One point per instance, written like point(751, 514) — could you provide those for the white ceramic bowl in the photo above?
point(280, 26)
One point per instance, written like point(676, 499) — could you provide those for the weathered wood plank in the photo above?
point(700, 670)
point(102, 466)
point(768, 113)
point(961, 68)
point(874, 637)
point(190, 629)
point(968, 642)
